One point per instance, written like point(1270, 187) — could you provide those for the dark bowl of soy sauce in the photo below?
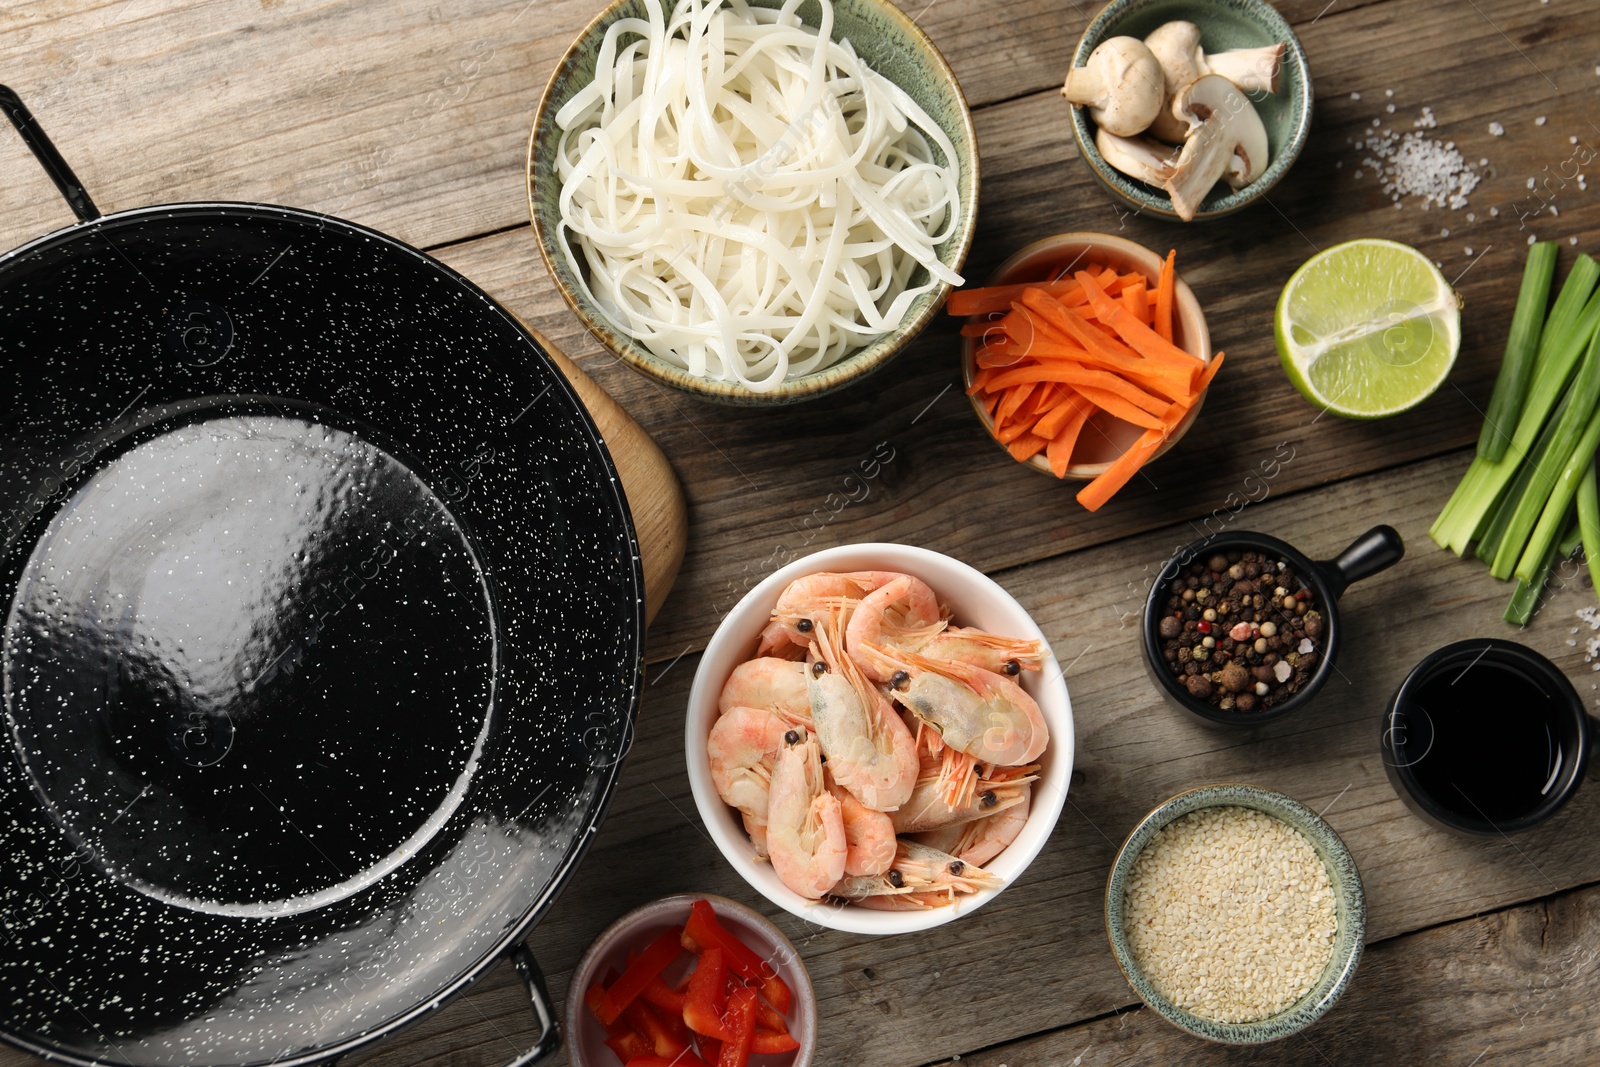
point(1486, 737)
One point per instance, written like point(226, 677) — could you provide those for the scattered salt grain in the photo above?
point(1531, 238)
point(1496, 129)
point(1444, 233)
point(1390, 92)
point(1573, 139)
point(1471, 217)
point(1413, 164)
point(1530, 183)
point(1355, 96)
point(1540, 121)
point(1389, 108)
point(1572, 240)
point(1468, 250)
point(1494, 213)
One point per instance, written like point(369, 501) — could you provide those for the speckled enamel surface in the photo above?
point(895, 47)
point(1223, 24)
point(1349, 903)
point(323, 626)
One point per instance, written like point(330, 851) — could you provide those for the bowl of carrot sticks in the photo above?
point(1086, 357)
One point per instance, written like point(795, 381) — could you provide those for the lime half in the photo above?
point(1368, 328)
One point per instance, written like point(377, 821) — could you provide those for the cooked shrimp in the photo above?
point(870, 751)
point(743, 748)
point(901, 613)
point(775, 641)
point(757, 829)
point(992, 652)
point(981, 841)
point(773, 684)
point(805, 827)
point(927, 809)
point(919, 869)
point(868, 834)
point(984, 714)
point(807, 599)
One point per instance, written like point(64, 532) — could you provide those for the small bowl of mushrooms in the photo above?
point(1189, 109)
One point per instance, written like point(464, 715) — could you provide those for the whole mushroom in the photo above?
point(1176, 46)
point(1225, 139)
point(1121, 84)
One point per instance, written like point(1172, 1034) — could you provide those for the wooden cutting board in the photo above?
point(660, 517)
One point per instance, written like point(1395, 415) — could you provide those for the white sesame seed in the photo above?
point(1230, 914)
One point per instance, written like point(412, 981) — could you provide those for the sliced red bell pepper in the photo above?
point(741, 1024)
point(710, 1048)
point(703, 1004)
point(628, 1045)
point(644, 1020)
point(688, 1059)
point(664, 996)
point(768, 1042)
point(704, 930)
point(651, 962)
point(767, 1017)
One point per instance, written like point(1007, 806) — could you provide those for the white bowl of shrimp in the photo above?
point(879, 738)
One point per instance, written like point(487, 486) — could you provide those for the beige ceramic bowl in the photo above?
point(897, 48)
point(976, 600)
point(1105, 437)
point(586, 1037)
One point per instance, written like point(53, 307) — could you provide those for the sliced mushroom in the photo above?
point(1176, 46)
point(1121, 84)
point(1141, 158)
point(1225, 139)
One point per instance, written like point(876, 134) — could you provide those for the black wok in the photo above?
point(323, 636)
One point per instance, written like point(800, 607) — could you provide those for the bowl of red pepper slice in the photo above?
point(691, 981)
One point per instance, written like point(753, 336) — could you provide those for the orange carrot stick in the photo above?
point(1081, 377)
point(1012, 399)
point(1065, 438)
point(1113, 404)
point(1124, 467)
point(1168, 378)
point(999, 297)
point(1165, 293)
point(1026, 447)
point(1133, 299)
point(1140, 338)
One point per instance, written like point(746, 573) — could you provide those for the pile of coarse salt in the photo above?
point(1591, 645)
point(1414, 164)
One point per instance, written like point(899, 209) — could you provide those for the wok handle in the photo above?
point(45, 152)
point(549, 1030)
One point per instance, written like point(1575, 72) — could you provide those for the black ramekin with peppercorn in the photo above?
point(1241, 629)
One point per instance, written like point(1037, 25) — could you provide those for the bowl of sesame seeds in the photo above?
point(1236, 913)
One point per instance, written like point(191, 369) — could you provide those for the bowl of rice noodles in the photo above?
point(754, 201)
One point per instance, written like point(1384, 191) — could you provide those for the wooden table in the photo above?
point(411, 116)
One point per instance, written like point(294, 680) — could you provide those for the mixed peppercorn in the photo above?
point(1241, 631)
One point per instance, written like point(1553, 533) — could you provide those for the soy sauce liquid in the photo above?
point(1486, 741)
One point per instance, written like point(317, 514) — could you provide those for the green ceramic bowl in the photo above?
point(1350, 908)
point(895, 47)
point(1223, 24)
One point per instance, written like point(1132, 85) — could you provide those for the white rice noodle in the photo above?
point(749, 198)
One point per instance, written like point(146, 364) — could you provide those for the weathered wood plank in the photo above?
point(920, 998)
point(1512, 987)
point(411, 117)
point(776, 484)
